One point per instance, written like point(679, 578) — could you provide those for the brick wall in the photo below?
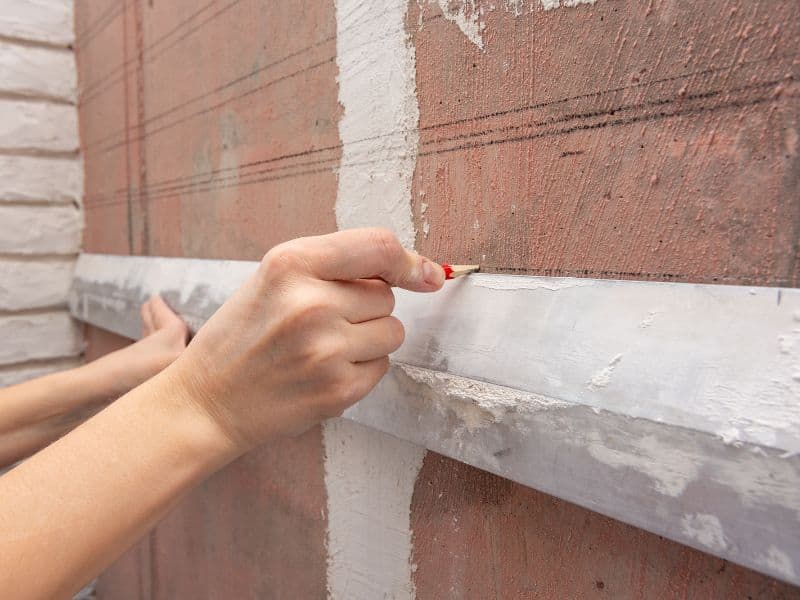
point(612, 139)
point(41, 184)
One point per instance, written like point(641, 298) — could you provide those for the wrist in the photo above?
point(194, 427)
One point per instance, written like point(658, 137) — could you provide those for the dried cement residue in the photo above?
point(551, 4)
point(379, 125)
point(470, 15)
point(706, 530)
point(602, 378)
point(369, 475)
point(524, 282)
point(370, 479)
point(475, 404)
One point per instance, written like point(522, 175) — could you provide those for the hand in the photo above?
point(164, 337)
point(305, 337)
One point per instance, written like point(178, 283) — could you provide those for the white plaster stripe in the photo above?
point(26, 284)
point(38, 126)
point(37, 72)
point(673, 407)
point(370, 476)
point(34, 179)
point(49, 21)
point(38, 336)
point(370, 480)
point(377, 75)
point(470, 15)
point(40, 229)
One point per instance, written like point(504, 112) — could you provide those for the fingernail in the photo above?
point(433, 273)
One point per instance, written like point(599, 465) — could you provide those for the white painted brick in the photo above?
point(34, 284)
point(38, 126)
point(29, 178)
point(23, 372)
point(38, 336)
point(40, 229)
point(49, 21)
point(37, 72)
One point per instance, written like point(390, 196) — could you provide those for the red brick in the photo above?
point(254, 530)
point(642, 140)
point(479, 536)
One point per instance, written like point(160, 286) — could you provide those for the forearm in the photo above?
point(86, 498)
point(37, 412)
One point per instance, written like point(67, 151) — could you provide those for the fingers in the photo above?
point(364, 299)
point(366, 253)
point(366, 376)
point(162, 314)
point(147, 319)
point(374, 339)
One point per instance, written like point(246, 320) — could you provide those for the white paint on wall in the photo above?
point(35, 179)
point(40, 188)
point(706, 530)
point(669, 477)
point(48, 21)
point(37, 72)
point(26, 284)
point(378, 127)
point(370, 479)
point(602, 377)
point(370, 476)
point(551, 4)
point(474, 404)
point(38, 126)
point(38, 336)
point(553, 284)
point(777, 561)
point(31, 230)
point(470, 15)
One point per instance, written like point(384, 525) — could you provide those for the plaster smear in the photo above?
point(476, 404)
point(551, 4)
point(779, 562)
point(469, 15)
point(369, 475)
point(379, 125)
point(602, 378)
point(523, 282)
point(706, 530)
point(647, 456)
point(370, 479)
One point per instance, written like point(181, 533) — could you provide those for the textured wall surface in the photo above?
point(614, 139)
point(40, 188)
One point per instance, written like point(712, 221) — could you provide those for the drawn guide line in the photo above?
point(463, 142)
point(514, 110)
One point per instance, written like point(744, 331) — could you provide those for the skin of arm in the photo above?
point(37, 412)
point(304, 338)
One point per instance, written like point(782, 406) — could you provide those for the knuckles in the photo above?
point(388, 298)
point(385, 244)
point(396, 331)
point(281, 262)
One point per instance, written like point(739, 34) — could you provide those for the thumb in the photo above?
point(370, 253)
point(414, 272)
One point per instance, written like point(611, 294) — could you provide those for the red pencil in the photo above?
point(453, 271)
